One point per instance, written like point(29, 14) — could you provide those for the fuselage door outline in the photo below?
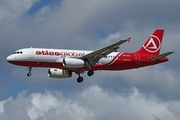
point(31, 53)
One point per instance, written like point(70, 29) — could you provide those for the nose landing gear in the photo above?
point(29, 73)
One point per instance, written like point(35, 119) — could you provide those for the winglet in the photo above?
point(160, 56)
point(128, 39)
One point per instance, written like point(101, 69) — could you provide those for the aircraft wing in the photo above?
point(95, 56)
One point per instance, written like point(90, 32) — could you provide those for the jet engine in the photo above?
point(73, 63)
point(59, 73)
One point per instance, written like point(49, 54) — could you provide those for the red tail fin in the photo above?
point(153, 45)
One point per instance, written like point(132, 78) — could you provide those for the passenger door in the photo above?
point(31, 53)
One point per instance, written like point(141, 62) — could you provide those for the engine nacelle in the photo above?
point(73, 63)
point(59, 73)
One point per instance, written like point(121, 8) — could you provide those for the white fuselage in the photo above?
point(43, 55)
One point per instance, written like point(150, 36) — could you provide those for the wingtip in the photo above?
point(128, 39)
point(171, 52)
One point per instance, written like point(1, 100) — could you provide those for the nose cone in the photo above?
point(10, 58)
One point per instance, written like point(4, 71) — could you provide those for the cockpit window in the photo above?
point(18, 52)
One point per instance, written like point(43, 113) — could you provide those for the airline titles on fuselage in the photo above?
point(62, 54)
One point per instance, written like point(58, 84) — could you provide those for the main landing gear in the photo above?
point(80, 79)
point(90, 73)
point(29, 73)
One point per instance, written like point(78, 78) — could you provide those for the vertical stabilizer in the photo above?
point(153, 44)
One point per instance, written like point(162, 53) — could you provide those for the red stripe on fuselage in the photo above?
point(115, 64)
point(115, 58)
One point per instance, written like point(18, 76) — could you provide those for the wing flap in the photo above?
point(160, 56)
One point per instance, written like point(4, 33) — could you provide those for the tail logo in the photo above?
point(153, 45)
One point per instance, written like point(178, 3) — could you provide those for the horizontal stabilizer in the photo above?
point(160, 56)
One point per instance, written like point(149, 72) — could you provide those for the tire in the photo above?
point(90, 73)
point(80, 79)
point(28, 74)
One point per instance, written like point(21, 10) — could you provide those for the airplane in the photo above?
point(62, 62)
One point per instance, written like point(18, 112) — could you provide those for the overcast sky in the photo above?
point(150, 93)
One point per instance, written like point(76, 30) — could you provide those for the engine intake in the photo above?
point(59, 73)
point(73, 63)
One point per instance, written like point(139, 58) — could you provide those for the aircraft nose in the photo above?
point(9, 58)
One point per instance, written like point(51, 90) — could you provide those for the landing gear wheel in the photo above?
point(90, 73)
point(28, 74)
point(80, 79)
